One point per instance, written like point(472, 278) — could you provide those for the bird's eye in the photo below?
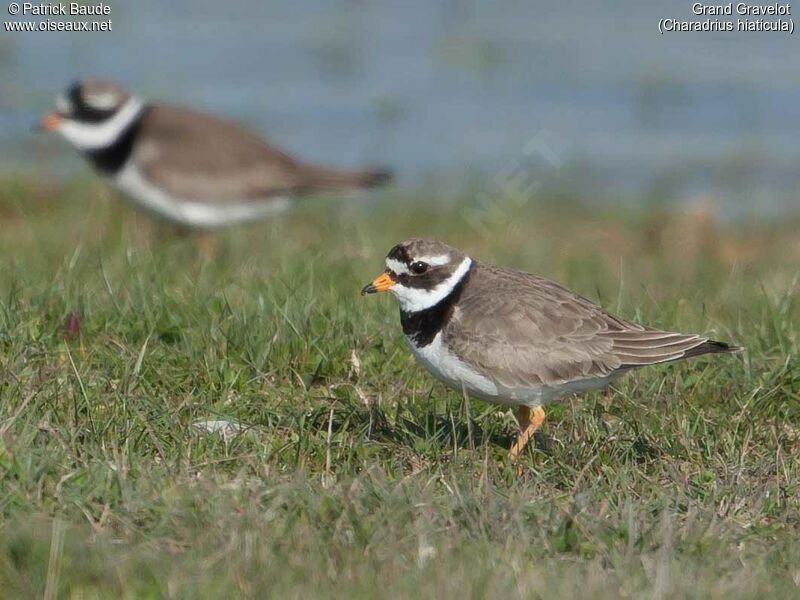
point(419, 267)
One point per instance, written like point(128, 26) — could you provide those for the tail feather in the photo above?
point(318, 178)
point(376, 177)
point(647, 348)
point(712, 347)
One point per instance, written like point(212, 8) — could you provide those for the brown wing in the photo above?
point(521, 330)
point(200, 157)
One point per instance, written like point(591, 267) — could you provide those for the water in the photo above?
point(448, 89)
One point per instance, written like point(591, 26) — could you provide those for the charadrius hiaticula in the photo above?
point(514, 338)
point(187, 167)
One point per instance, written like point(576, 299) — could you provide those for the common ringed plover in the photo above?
point(513, 338)
point(184, 166)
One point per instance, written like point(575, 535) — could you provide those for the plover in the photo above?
point(189, 168)
point(513, 338)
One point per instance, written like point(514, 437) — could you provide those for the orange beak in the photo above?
point(50, 121)
point(382, 283)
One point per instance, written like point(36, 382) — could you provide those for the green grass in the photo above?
point(357, 475)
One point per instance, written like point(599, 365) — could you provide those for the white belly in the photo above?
point(204, 215)
point(450, 369)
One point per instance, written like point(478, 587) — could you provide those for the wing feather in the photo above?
point(521, 330)
point(227, 163)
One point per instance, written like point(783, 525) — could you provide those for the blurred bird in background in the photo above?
point(185, 167)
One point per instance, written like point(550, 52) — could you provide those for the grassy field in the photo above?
point(355, 474)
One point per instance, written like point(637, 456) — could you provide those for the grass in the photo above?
point(356, 474)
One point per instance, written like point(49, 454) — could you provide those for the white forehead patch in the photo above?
point(104, 101)
point(63, 104)
point(396, 267)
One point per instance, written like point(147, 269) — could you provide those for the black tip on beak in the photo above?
point(368, 289)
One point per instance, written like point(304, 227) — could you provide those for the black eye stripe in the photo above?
point(428, 280)
point(84, 112)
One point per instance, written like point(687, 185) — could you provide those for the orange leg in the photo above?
point(206, 244)
point(530, 419)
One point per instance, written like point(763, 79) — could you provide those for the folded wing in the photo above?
point(204, 158)
point(521, 330)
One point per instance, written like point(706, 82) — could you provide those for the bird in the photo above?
point(513, 338)
point(189, 168)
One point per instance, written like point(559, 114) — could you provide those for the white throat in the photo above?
point(93, 136)
point(416, 299)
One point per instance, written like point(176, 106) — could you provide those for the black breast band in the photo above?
point(423, 325)
point(111, 159)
